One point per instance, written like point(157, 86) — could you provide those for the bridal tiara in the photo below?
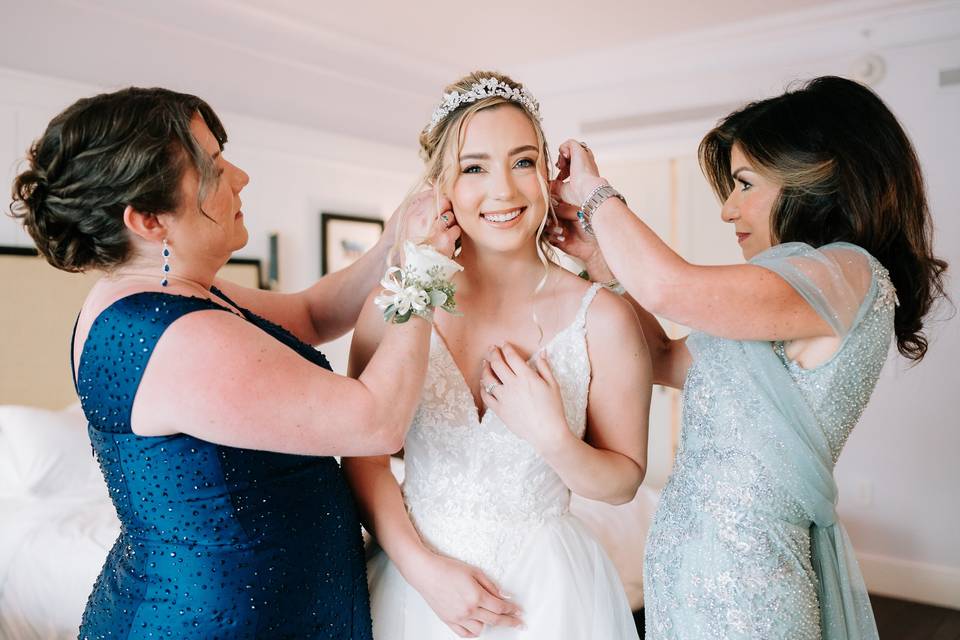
point(485, 88)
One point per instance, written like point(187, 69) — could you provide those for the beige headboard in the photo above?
point(38, 306)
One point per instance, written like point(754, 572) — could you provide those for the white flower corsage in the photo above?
point(420, 286)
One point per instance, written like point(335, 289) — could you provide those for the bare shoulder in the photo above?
point(610, 319)
point(208, 339)
point(611, 314)
point(614, 334)
point(568, 289)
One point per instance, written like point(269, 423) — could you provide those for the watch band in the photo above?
point(593, 202)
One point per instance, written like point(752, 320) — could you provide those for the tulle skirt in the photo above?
point(563, 580)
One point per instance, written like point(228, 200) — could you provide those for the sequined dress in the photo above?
point(729, 553)
point(216, 541)
point(478, 493)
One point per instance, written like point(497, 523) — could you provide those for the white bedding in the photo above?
point(51, 551)
point(56, 522)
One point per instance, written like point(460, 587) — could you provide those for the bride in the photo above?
point(479, 535)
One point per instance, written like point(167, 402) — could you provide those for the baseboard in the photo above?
point(907, 580)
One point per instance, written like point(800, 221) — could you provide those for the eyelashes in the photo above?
point(522, 163)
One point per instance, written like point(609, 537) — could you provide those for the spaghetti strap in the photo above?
point(581, 318)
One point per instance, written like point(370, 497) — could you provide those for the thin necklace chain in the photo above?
point(193, 283)
point(187, 281)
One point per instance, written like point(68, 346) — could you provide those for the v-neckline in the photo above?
point(462, 379)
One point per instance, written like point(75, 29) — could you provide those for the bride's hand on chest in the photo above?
point(527, 398)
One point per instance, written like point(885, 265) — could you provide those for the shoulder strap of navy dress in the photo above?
point(280, 333)
point(73, 364)
point(117, 349)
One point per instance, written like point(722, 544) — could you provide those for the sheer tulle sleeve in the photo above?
point(834, 279)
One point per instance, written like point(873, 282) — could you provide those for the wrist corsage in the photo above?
point(423, 284)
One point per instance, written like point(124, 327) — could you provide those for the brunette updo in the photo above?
point(129, 147)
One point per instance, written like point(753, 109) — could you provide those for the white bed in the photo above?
point(57, 522)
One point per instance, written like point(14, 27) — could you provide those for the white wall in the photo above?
point(294, 173)
point(898, 475)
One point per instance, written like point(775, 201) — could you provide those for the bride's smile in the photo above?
point(503, 219)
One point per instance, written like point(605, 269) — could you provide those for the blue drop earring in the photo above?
point(166, 263)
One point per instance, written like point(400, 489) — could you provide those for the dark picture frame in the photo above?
point(344, 238)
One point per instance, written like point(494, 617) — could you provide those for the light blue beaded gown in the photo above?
point(745, 543)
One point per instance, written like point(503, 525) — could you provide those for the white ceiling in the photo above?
point(504, 33)
point(367, 69)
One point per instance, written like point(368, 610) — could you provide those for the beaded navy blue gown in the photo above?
point(216, 541)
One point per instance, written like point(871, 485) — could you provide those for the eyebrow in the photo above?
point(485, 156)
point(740, 170)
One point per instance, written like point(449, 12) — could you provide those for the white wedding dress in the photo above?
point(478, 493)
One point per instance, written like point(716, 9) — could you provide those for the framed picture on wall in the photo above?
point(344, 238)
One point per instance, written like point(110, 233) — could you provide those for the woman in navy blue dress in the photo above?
point(212, 417)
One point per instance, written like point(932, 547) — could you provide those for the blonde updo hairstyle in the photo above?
point(440, 149)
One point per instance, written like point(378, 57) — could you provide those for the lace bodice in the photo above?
point(473, 489)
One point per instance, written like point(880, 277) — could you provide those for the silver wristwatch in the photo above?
point(593, 202)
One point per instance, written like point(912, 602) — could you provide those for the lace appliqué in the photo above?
point(473, 489)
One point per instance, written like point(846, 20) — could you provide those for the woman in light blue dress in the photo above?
point(826, 196)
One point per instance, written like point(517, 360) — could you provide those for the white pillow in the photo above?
point(43, 452)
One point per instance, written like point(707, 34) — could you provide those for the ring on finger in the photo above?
point(490, 387)
point(445, 218)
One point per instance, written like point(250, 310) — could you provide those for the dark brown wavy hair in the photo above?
point(129, 147)
point(848, 173)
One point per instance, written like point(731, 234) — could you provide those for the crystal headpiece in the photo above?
point(485, 88)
